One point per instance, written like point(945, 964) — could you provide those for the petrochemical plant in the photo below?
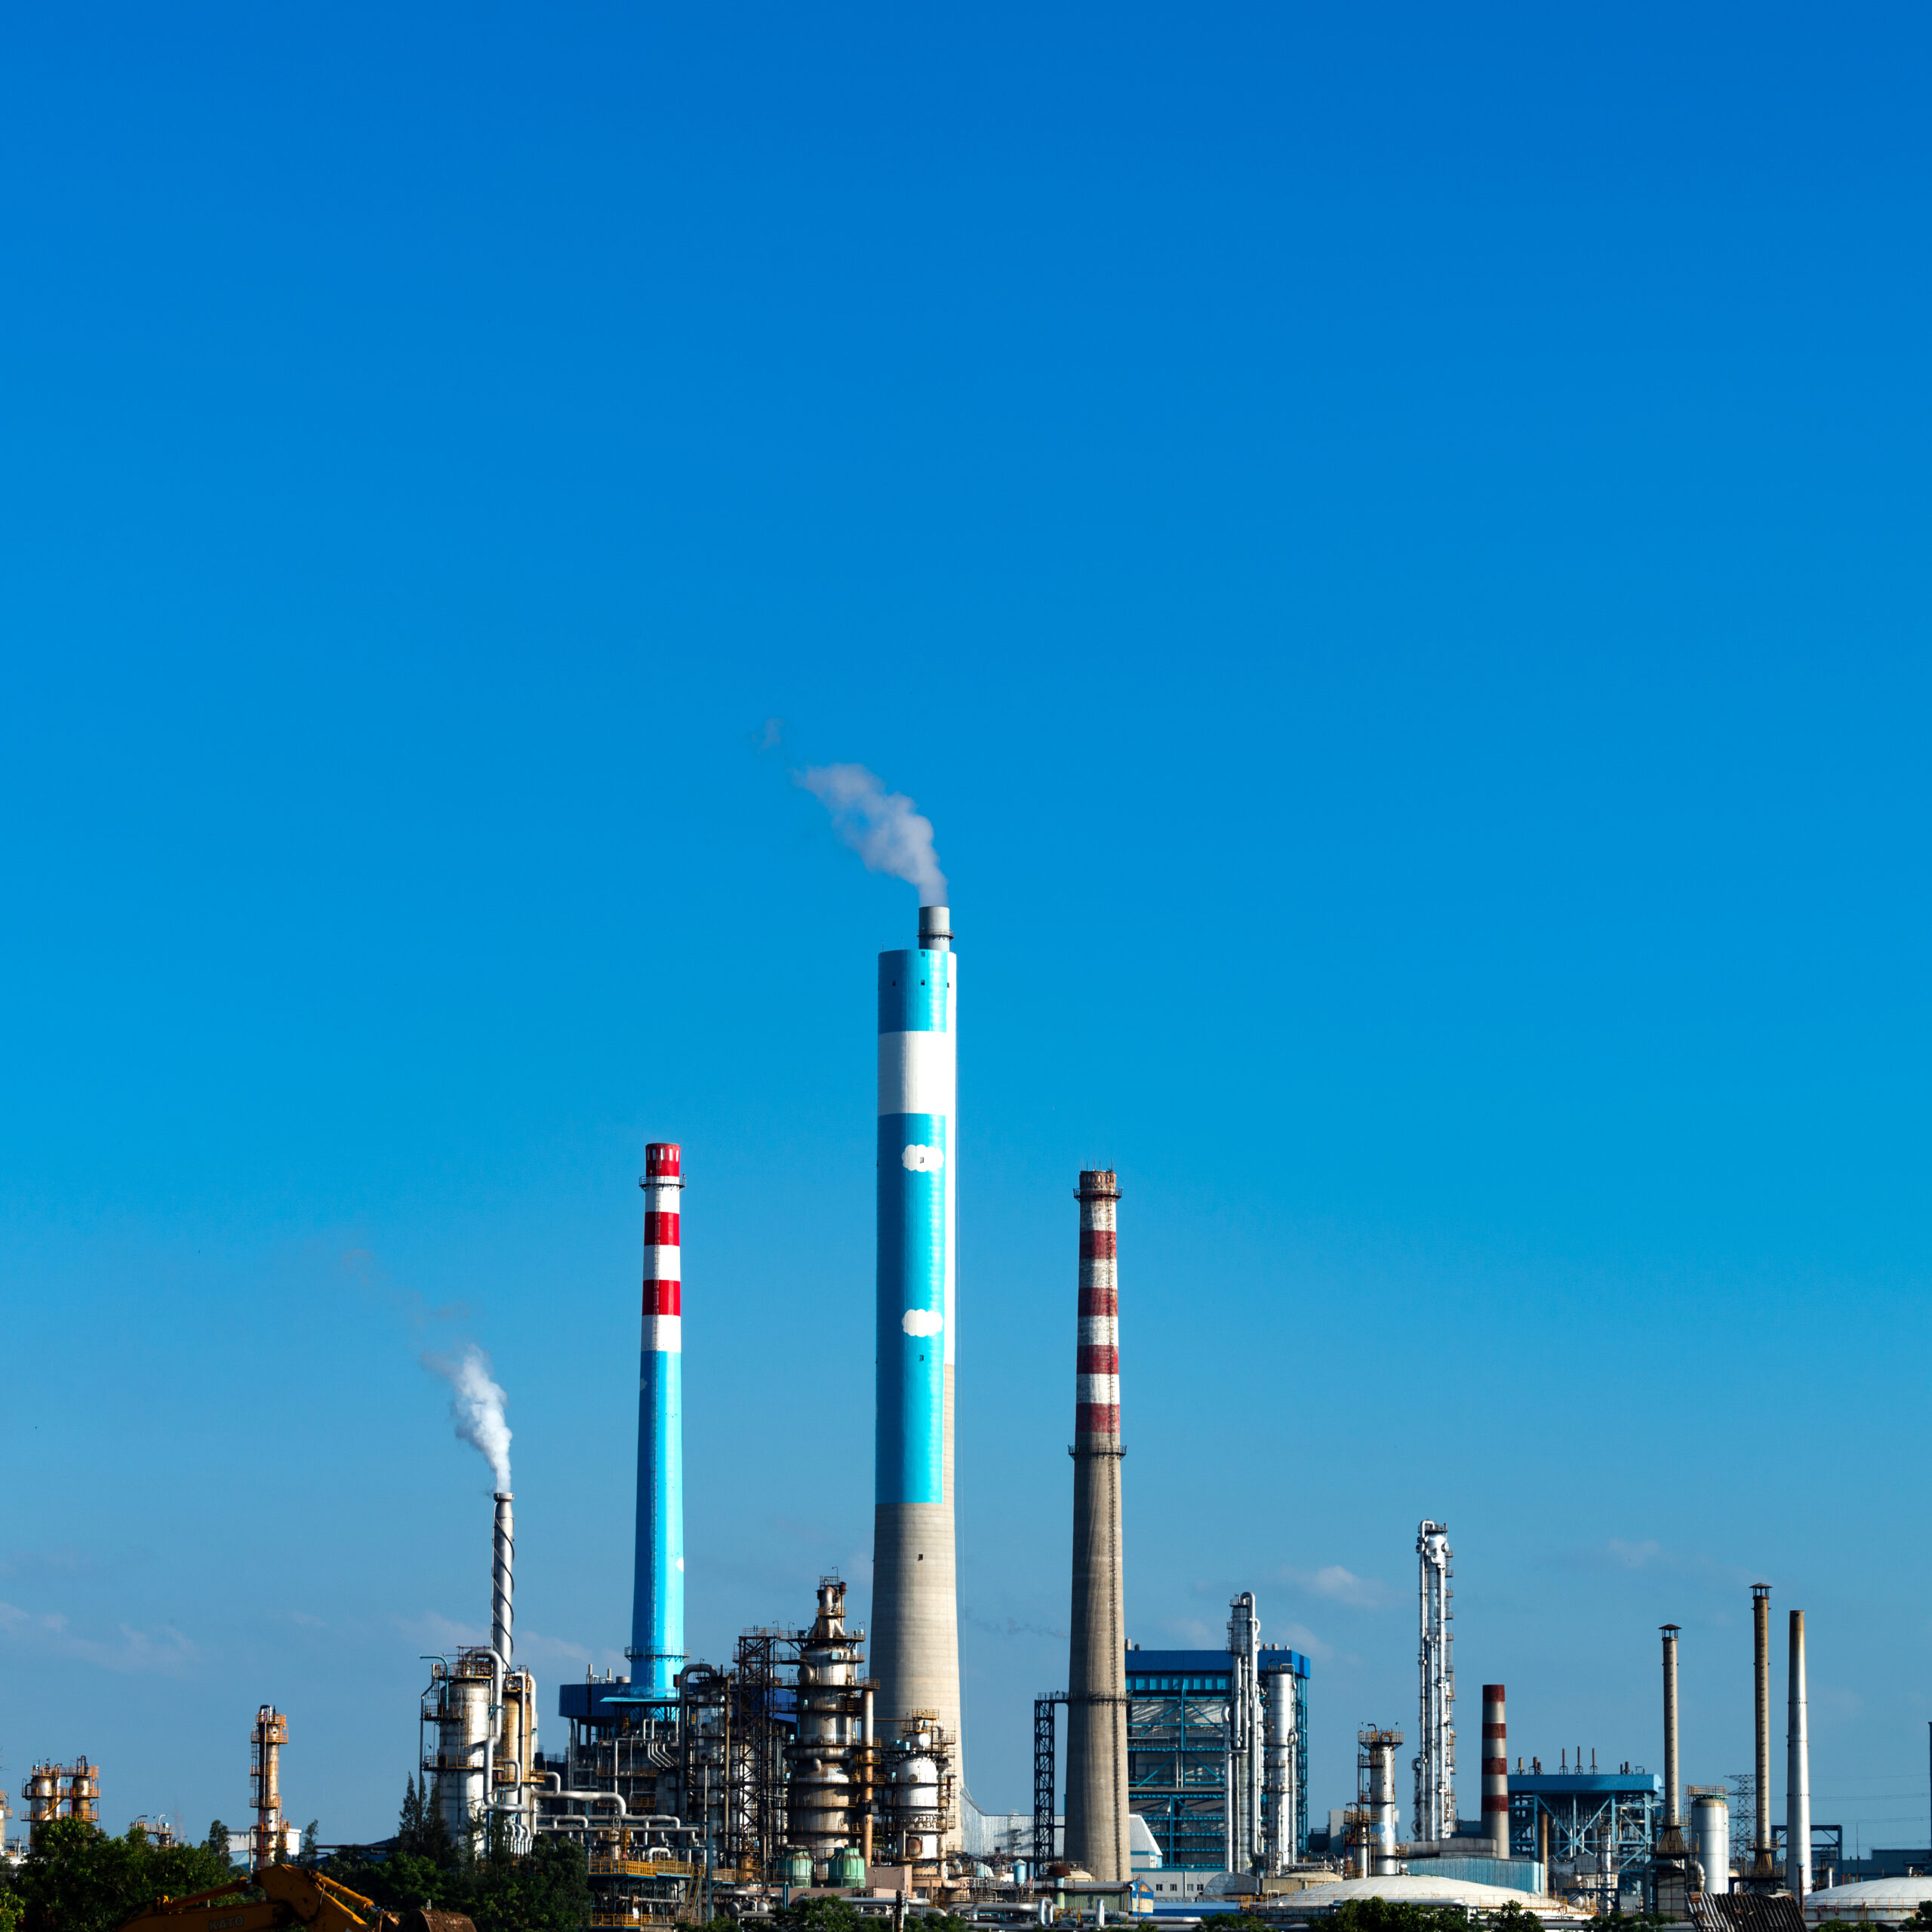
point(824, 1756)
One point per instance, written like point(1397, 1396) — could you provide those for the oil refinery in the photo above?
point(821, 1756)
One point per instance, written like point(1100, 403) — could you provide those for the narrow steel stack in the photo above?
point(1096, 1808)
point(1764, 1866)
point(1798, 1774)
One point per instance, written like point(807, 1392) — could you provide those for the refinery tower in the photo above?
point(915, 1621)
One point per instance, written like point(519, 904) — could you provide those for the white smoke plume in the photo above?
point(476, 1406)
point(881, 826)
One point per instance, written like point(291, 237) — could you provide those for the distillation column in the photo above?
point(916, 1616)
point(1096, 1809)
point(1282, 1792)
point(656, 1649)
point(271, 1734)
point(1436, 1759)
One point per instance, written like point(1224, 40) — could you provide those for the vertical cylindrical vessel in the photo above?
point(1435, 1815)
point(1096, 1825)
point(1284, 1825)
point(1382, 1748)
point(271, 1734)
point(1798, 1774)
point(1710, 1839)
point(1496, 1769)
point(657, 1600)
point(1761, 1867)
point(915, 1621)
point(1671, 1815)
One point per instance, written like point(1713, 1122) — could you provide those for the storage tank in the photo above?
point(1710, 1838)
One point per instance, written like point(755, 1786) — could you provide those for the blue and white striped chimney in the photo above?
point(915, 1623)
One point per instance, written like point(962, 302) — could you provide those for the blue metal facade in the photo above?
point(1177, 1721)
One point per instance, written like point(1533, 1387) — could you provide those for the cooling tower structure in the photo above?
point(915, 1621)
point(1096, 1808)
point(656, 1650)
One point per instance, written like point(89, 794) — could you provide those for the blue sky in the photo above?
point(1391, 549)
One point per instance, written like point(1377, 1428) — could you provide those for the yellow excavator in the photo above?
point(294, 1897)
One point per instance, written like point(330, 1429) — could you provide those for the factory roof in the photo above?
point(1210, 1663)
point(1880, 1901)
point(1556, 1784)
point(1411, 1888)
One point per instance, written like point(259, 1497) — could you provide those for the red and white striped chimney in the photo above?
point(1098, 1368)
point(1096, 1802)
point(1495, 1770)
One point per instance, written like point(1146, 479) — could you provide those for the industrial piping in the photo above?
point(915, 1617)
point(656, 1650)
point(1096, 1810)
point(1797, 1775)
point(1495, 1770)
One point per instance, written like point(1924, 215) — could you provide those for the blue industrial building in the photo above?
point(1180, 1720)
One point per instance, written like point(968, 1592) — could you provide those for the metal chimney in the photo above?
point(657, 1648)
point(1763, 1870)
point(1797, 1775)
point(502, 1615)
point(1495, 1770)
point(915, 1615)
point(1671, 1816)
point(1096, 1808)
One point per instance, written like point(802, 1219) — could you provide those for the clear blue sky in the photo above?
point(1392, 548)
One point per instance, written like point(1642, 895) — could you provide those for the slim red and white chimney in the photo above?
point(1495, 1770)
point(1096, 1803)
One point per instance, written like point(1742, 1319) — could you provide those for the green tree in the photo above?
point(815, 1914)
point(310, 1832)
point(1512, 1918)
point(1381, 1915)
point(218, 1842)
point(76, 1878)
point(548, 1889)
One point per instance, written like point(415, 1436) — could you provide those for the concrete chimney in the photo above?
point(1097, 1806)
point(915, 1613)
point(1797, 1775)
point(1495, 1770)
point(657, 1648)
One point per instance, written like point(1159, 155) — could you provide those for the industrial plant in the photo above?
point(821, 1756)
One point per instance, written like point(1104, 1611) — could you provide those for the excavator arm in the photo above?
point(296, 1898)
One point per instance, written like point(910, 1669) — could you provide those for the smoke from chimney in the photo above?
point(476, 1406)
point(883, 827)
